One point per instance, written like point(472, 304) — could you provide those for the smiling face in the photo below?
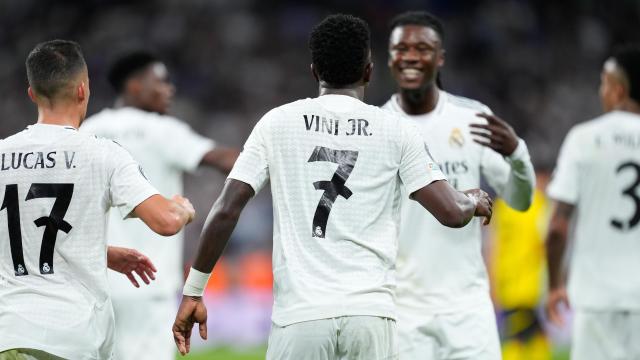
point(415, 56)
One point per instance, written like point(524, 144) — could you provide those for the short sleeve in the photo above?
point(181, 146)
point(565, 179)
point(417, 167)
point(252, 166)
point(128, 186)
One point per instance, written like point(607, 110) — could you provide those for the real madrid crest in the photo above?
point(456, 139)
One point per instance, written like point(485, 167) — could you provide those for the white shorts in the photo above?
point(342, 338)
point(472, 335)
point(143, 328)
point(27, 354)
point(606, 335)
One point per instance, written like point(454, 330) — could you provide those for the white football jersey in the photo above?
point(57, 187)
point(165, 147)
point(441, 269)
point(336, 166)
point(598, 171)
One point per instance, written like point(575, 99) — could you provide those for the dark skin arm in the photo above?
point(222, 220)
point(556, 245)
point(221, 158)
point(453, 208)
point(496, 134)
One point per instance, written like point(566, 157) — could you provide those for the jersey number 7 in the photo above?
point(52, 223)
point(346, 160)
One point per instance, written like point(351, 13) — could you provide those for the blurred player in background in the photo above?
point(336, 166)
point(165, 147)
point(517, 268)
point(597, 177)
point(58, 186)
point(444, 306)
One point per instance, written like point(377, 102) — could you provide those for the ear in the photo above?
point(441, 57)
point(82, 91)
point(314, 73)
point(368, 71)
point(31, 94)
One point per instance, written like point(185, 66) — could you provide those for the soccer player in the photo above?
point(596, 178)
point(57, 187)
point(444, 305)
point(165, 147)
point(336, 166)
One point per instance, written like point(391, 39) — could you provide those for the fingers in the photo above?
point(554, 315)
point(143, 275)
point(180, 341)
point(203, 330)
point(132, 279)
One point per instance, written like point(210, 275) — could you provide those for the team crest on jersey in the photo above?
point(456, 139)
point(46, 268)
point(20, 269)
point(318, 231)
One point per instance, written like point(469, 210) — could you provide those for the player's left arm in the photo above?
point(221, 158)
point(129, 261)
point(216, 232)
point(556, 245)
point(511, 175)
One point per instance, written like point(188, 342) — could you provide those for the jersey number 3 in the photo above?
point(346, 160)
point(630, 192)
point(52, 223)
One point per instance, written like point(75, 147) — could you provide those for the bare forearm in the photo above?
point(214, 239)
point(556, 243)
point(220, 224)
point(221, 158)
point(556, 246)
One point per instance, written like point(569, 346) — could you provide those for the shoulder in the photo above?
point(591, 126)
point(466, 104)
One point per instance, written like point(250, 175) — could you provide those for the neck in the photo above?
point(63, 116)
point(419, 101)
point(354, 91)
point(629, 106)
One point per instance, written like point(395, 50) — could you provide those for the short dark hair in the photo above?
point(51, 65)
point(628, 58)
point(340, 47)
point(420, 18)
point(127, 66)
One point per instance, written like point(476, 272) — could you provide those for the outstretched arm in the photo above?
point(453, 208)
point(215, 235)
point(514, 181)
point(556, 246)
point(165, 216)
point(221, 158)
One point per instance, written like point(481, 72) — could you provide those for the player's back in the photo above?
point(605, 161)
point(336, 167)
point(55, 192)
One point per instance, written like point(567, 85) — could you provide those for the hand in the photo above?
point(191, 311)
point(555, 298)
point(496, 134)
point(484, 204)
point(186, 205)
point(128, 261)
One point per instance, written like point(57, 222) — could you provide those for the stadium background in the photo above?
point(535, 63)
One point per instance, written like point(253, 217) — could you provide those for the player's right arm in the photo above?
point(426, 184)
point(165, 216)
point(132, 194)
point(454, 208)
point(563, 189)
point(248, 176)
